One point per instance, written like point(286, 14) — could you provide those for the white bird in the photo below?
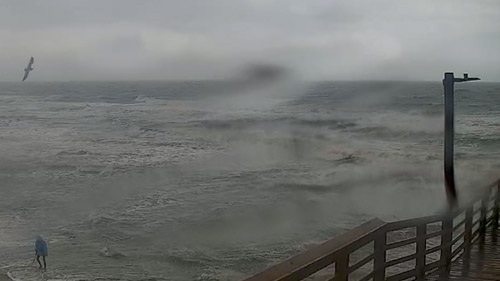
point(28, 69)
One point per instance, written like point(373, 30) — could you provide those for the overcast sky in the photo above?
point(195, 39)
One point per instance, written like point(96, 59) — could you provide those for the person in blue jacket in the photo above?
point(41, 251)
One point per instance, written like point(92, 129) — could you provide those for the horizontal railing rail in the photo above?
point(426, 244)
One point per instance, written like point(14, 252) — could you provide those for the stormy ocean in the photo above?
point(188, 181)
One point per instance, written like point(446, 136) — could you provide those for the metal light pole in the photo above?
point(449, 172)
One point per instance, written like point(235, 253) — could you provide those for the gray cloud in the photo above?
point(190, 39)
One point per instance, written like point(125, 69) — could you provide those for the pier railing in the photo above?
point(407, 249)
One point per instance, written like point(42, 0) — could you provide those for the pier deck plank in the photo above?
point(483, 263)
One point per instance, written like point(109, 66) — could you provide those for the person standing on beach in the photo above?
point(41, 250)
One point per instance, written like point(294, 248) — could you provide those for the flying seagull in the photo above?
point(28, 69)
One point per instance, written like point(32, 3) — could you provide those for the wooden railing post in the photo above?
point(484, 210)
point(342, 267)
point(446, 239)
point(469, 214)
point(379, 256)
point(496, 208)
point(421, 244)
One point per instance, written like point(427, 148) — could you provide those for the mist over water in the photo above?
point(189, 181)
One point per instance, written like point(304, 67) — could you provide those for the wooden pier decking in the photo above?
point(483, 262)
point(459, 245)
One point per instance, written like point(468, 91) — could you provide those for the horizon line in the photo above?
point(225, 80)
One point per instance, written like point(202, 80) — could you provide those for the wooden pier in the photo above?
point(482, 263)
point(460, 245)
